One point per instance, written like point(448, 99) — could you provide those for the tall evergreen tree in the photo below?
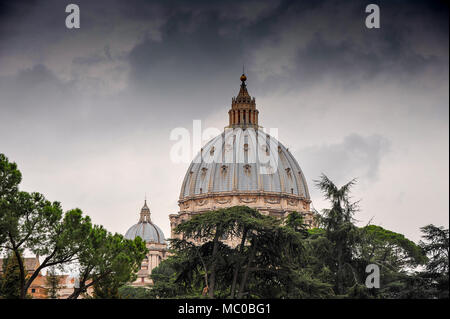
point(435, 244)
point(52, 282)
point(10, 281)
point(340, 230)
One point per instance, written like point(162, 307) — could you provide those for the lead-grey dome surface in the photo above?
point(147, 231)
point(227, 164)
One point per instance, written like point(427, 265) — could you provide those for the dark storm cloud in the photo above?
point(191, 48)
point(199, 38)
point(356, 49)
point(197, 41)
point(192, 63)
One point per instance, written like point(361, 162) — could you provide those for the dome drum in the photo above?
point(276, 205)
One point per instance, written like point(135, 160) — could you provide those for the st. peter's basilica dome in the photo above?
point(243, 166)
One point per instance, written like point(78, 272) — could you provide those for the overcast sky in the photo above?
point(87, 113)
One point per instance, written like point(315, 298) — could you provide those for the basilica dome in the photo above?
point(239, 170)
point(145, 229)
point(244, 165)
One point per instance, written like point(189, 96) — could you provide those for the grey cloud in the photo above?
point(194, 46)
point(31, 86)
point(330, 40)
point(356, 156)
point(90, 60)
point(37, 75)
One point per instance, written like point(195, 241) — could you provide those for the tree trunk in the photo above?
point(206, 288)
point(340, 284)
point(212, 279)
point(247, 270)
point(44, 264)
point(23, 289)
point(238, 266)
point(76, 292)
point(83, 287)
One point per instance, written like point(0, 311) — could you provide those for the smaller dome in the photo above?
point(147, 231)
point(145, 228)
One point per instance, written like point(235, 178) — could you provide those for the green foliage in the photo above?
point(52, 281)
point(436, 245)
point(340, 232)
point(107, 288)
point(272, 258)
point(108, 261)
point(10, 177)
point(316, 232)
point(432, 281)
point(28, 220)
point(129, 292)
point(296, 221)
point(10, 281)
point(267, 260)
point(382, 245)
point(435, 278)
point(171, 280)
point(341, 251)
point(393, 253)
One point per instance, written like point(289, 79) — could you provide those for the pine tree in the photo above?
point(52, 282)
point(10, 283)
